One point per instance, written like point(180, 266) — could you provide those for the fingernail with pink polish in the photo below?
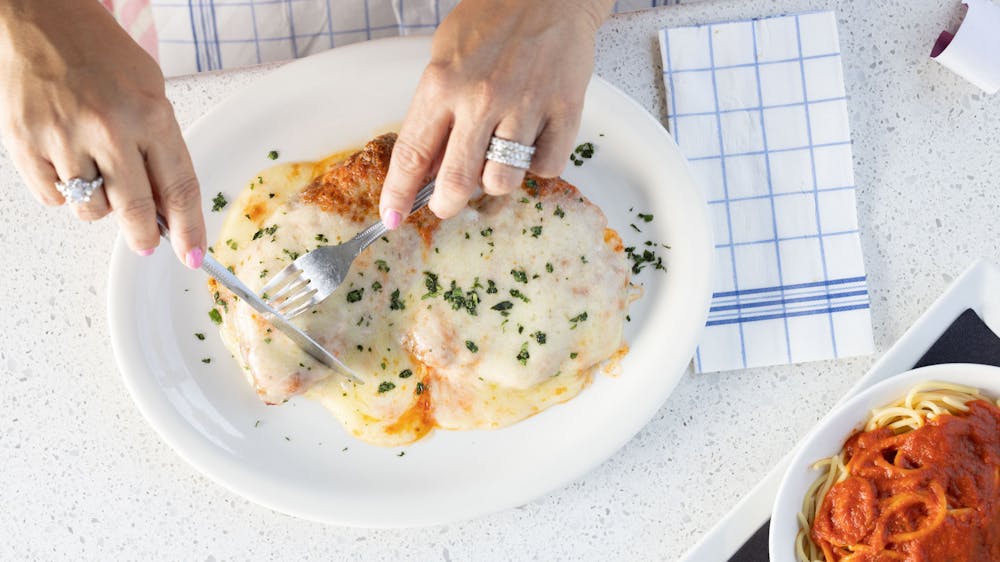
point(146, 252)
point(194, 258)
point(391, 219)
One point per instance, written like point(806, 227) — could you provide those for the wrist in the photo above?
point(593, 12)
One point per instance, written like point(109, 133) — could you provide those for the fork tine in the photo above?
point(303, 307)
point(294, 287)
point(285, 275)
point(296, 301)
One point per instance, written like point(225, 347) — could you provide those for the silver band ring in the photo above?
point(511, 153)
point(79, 190)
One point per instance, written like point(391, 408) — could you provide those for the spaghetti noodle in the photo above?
point(920, 482)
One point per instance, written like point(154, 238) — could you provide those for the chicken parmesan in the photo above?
point(475, 322)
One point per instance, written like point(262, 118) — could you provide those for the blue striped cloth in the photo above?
point(201, 35)
point(760, 111)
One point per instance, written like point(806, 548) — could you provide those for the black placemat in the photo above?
point(967, 340)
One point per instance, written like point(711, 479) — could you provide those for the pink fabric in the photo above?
point(136, 16)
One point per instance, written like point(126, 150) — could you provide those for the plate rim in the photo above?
point(191, 452)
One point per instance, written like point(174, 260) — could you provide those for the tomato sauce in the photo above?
point(931, 494)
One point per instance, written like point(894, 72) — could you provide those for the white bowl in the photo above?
point(827, 438)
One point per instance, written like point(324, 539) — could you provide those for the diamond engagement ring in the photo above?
point(79, 190)
point(510, 153)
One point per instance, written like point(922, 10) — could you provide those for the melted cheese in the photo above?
point(475, 322)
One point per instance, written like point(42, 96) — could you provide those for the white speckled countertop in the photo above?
point(82, 476)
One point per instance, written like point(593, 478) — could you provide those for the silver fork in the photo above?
point(313, 277)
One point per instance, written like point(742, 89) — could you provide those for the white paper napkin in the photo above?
point(759, 109)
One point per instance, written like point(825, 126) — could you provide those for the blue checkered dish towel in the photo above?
point(199, 35)
point(759, 109)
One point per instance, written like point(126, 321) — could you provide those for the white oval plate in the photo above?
point(209, 414)
point(829, 435)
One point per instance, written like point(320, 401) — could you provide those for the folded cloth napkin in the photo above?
point(199, 35)
point(759, 109)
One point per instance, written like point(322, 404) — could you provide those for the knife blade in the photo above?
point(215, 269)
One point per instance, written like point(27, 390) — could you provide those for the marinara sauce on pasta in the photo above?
point(929, 494)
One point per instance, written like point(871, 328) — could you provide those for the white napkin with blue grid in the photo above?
point(759, 109)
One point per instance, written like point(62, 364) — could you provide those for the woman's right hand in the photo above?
point(78, 98)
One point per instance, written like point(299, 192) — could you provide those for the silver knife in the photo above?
point(233, 283)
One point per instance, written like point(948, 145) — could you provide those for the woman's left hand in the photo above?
point(517, 69)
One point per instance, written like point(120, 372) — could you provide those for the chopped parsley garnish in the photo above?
point(582, 317)
point(641, 260)
point(503, 307)
point(538, 206)
point(386, 386)
point(548, 267)
point(215, 316)
point(585, 150)
point(263, 274)
point(260, 179)
point(219, 202)
point(634, 227)
point(272, 155)
point(539, 337)
point(206, 360)
point(355, 295)
point(420, 388)
point(291, 255)
point(536, 231)
point(518, 295)
point(559, 212)
point(431, 282)
point(270, 196)
point(488, 231)
point(376, 286)
point(573, 355)
point(646, 218)
point(469, 300)
point(531, 183)
point(519, 275)
point(199, 335)
point(232, 244)
point(395, 303)
point(405, 374)
point(471, 346)
point(524, 200)
point(491, 287)
point(523, 355)
point(382, 266)
point(582, 152)
point(322, 238)
point(269, 231)
point(583, 259)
